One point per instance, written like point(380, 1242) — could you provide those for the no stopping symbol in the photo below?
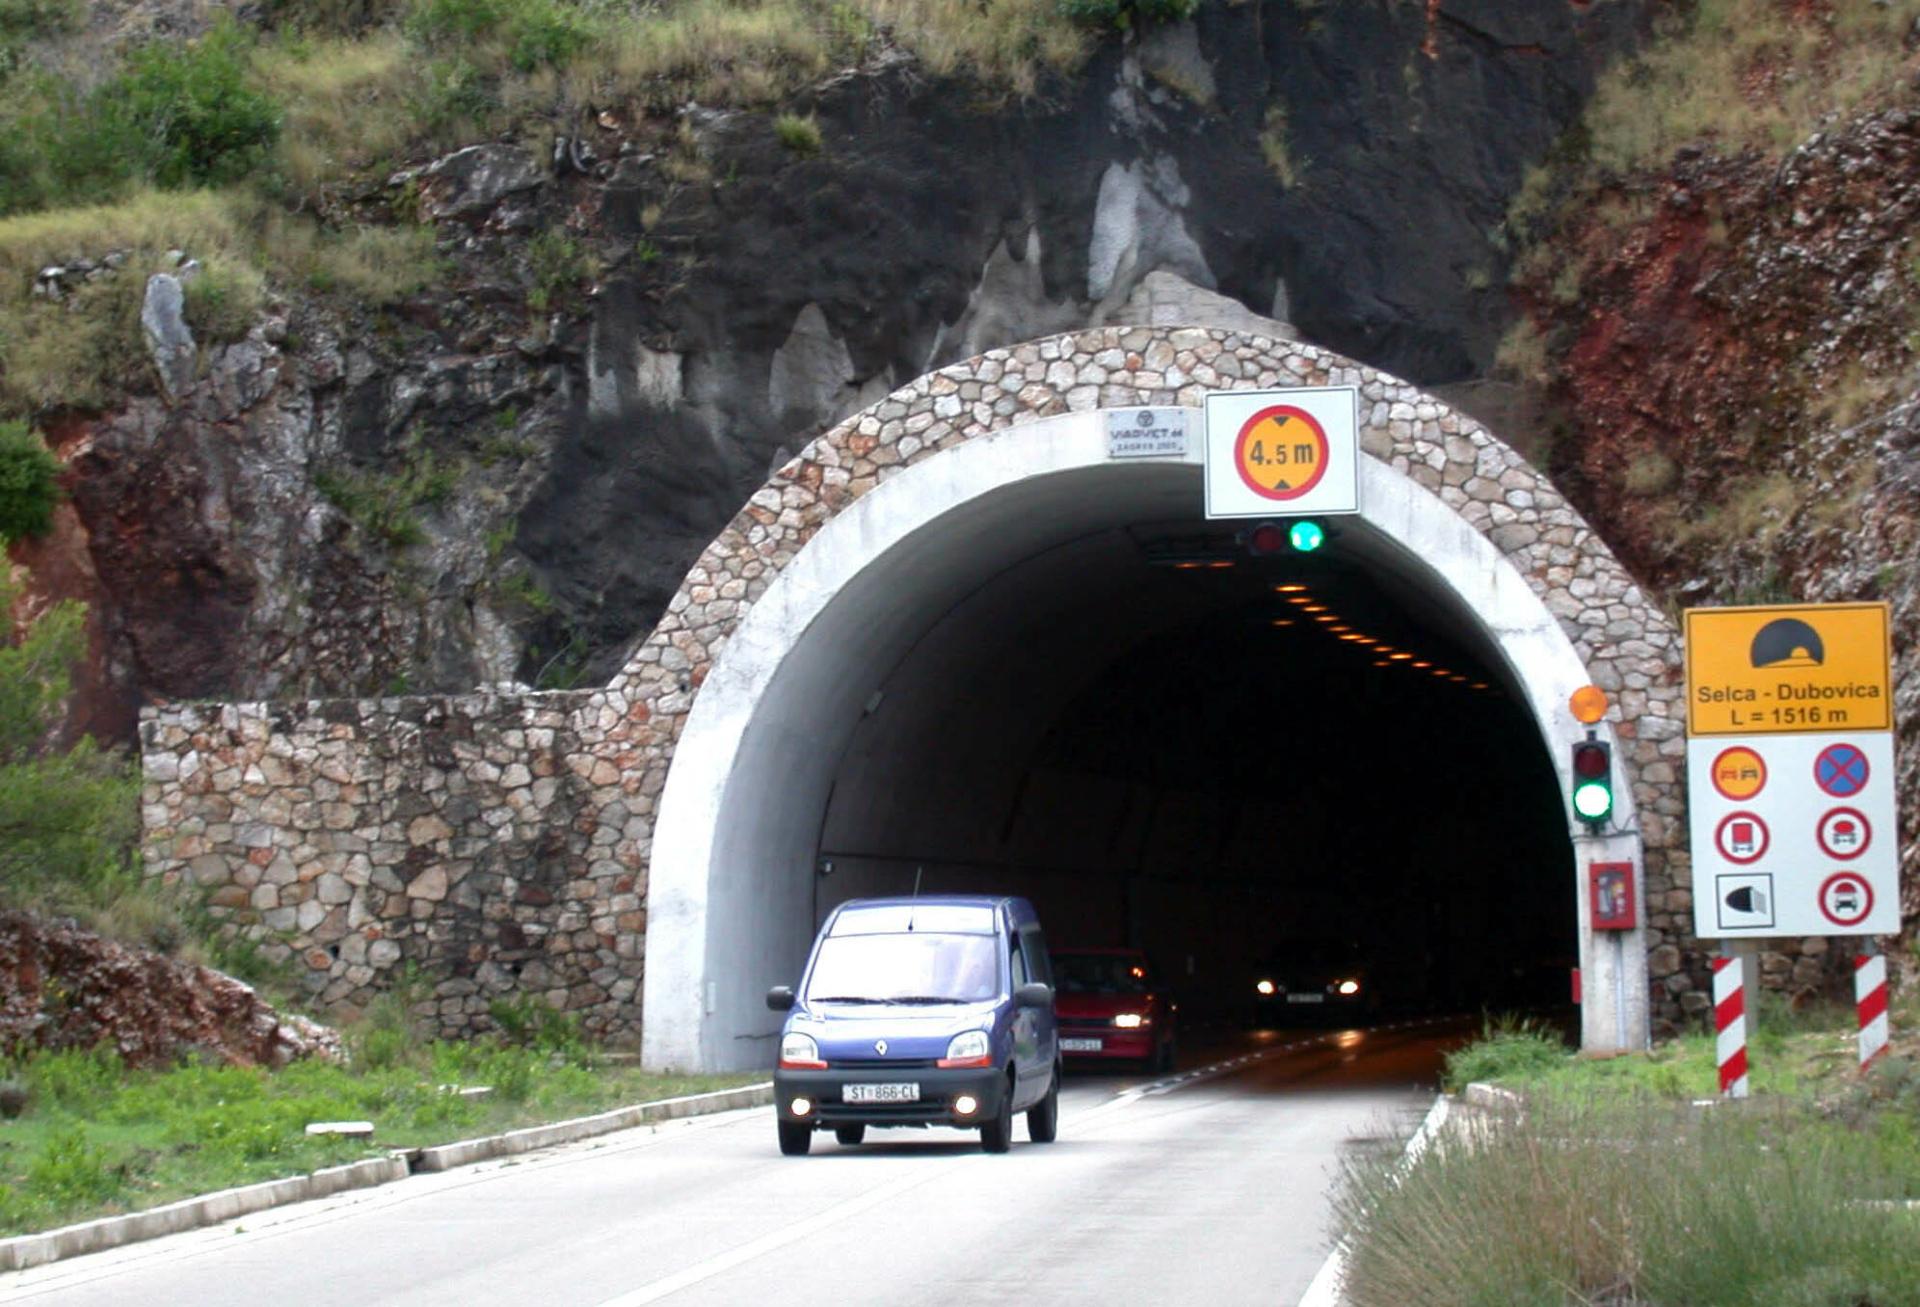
point(1281, 452)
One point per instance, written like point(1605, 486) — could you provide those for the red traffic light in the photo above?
point(1267, 538)
point(1590, 760)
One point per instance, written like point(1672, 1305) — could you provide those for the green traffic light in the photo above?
point(1306, 536)
point(1592, 800)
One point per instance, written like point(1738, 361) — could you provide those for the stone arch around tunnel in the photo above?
point(1493, 531)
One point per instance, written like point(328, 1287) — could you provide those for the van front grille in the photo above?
point(882, 1063)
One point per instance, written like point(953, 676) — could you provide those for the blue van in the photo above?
point(920, 1011)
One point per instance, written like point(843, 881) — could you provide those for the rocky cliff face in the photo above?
point(63, 987)
point(1741, 388)
point(465, 488)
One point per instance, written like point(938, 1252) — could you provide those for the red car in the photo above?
point(1111, 1007)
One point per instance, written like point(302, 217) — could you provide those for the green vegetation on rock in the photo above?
point(28, 489)
point(66, 814)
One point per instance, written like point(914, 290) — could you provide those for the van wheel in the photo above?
point(795, 1138)
point(1163, 1060)
point(850, 1134)
point(996, 1136)
point(1043, 1118)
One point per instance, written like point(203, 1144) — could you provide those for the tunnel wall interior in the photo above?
point(581, 907)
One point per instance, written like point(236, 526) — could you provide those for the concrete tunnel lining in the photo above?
point(732, 875)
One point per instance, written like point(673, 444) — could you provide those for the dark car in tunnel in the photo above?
point(1311, 981)
point(1112, 1007)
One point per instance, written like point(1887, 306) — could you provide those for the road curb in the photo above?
point(27, 1250)
point(445, 1156)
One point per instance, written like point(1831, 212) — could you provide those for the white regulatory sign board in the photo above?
point(1146, 433)
point(1794, 834)
point(1282, 453)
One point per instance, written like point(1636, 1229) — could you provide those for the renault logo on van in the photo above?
point(880, 1047)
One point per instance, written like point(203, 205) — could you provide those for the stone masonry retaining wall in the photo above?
point(501, 842)
point(487, 840)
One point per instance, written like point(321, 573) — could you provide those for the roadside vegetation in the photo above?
point(89, 1138)
point(1625, 1180)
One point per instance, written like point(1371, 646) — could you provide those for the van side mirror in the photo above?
point(1033, 994)
point(780, 998)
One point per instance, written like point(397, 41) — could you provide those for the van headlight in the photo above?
point(968, 1048)
point(1348, 987)
point(1129, 1021)
point(800, 1053)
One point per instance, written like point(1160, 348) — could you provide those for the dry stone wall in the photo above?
point(500, 842)
point(492, 843)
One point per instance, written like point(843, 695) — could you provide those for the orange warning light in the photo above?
point(1589, 704)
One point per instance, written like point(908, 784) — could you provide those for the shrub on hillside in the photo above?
point(191, 108)
point(67, 816)
point(534, 33)
point(28, 489)
point(178, 114)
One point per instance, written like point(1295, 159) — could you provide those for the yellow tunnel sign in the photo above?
point(1766, 670)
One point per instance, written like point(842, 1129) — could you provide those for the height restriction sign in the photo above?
point(1282, 453)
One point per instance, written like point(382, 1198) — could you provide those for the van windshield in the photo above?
point(919, 968)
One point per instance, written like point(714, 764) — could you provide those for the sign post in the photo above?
point(1790, 773)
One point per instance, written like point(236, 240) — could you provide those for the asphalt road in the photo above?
point(1210, 1187)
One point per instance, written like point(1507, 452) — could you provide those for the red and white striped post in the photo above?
point(1730, 1025)
point(1870, 996)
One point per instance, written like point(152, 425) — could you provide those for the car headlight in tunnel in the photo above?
point(1264, 987)
point(1348, 987)
point(968, 1048)
point(1129, 1021)
point(800, 1053)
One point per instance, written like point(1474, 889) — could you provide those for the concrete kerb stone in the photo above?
point(29, 1250)
point(446, 1156)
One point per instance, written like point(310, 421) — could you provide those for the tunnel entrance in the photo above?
point(1020, 666)
point(1169, 744)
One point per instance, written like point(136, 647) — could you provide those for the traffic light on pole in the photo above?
point(1592, 781)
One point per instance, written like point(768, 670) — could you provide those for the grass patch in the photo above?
point(556, 263)
point(1746, 74)
point(1650, 472)
point(1011, 43)
point(799, 134)
point(1622, 1200)
point(223, 299)
point(347, 106)
point(95, 1139)
point(1509, 1048)
point(374, 265)
point(1754, 509)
